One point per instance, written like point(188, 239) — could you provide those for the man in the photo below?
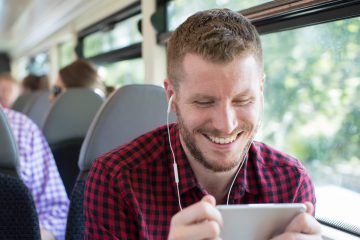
point(215, 84)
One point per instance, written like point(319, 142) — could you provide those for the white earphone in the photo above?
point(176, 173)
point(169, 104)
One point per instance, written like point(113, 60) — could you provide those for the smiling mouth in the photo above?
point(223, 140)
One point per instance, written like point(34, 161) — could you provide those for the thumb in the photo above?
point(309, 208)
point(210, 199)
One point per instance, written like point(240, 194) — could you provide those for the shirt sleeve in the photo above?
point(43, 180)
point(108, 214)
point(306, 190)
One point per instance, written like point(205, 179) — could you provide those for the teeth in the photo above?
point(223, 140)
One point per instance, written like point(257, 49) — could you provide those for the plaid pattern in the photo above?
point(131, 194)
point(39, 172)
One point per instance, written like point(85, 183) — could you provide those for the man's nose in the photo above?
point(225, 119)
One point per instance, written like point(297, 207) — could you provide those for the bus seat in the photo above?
point(65, 127)
point(39, 107)
point(19, 218)
point(23, 102)
point(129, 112)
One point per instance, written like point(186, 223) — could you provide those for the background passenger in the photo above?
point(40, 174)
point(35, 82)
point(79, 74)
point(9, 90)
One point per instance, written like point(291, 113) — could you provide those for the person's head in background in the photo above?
point(79, 74)
point(35, 83)
point(9, 90)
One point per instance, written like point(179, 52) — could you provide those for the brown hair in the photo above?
point(218, 35)
point(7, 77)
point(34, 82)
point(80, 73)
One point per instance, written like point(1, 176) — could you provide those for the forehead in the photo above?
point(200, 76)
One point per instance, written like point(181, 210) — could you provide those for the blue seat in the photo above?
point(19, 218)
point(65, 128)
point(130, 112)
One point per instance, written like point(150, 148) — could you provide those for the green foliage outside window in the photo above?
point(312, 90)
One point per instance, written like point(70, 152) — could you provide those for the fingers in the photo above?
point(210, 199)
point(303, 227)
point(200, 211)
point(309, 208)
point(296, 236)
point(201, 230)
point(304, 223)
point(199, 221)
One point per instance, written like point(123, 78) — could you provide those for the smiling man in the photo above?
point(166, 183)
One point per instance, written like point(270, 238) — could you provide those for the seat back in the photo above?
point(130, 112)
point(9, 157)
point(39, 108)
point(19, 218)
point(65, 128)
point(23, 102)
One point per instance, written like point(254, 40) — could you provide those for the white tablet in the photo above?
point(257, 221)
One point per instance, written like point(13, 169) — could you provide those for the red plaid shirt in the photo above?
point(131, 194)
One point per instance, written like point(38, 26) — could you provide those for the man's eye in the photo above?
point(243, 102)
point(203, 103)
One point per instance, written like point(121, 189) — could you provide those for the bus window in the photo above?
point(316, 69)
point(179, 10)
point(120, 35)
point(66, 53)
point(122, 72)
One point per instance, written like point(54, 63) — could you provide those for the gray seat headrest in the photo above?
point(23, 102)
point(130, 112)
point(9, 156)
point(71, 114)
point(39, 108)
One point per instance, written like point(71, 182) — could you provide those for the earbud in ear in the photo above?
point(169, 104)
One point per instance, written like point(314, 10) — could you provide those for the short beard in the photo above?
point(198, 155)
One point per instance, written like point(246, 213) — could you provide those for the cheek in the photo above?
point(192, 118)
point(248, 115)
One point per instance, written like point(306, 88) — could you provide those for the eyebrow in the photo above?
point(246, 93)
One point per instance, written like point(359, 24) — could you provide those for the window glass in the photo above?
point(120, 35)
point(316, 69)
point(179, 10)
point(123, 72)
point(66, 53)
point(39, 64)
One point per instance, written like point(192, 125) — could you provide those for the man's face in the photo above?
point(219, 107)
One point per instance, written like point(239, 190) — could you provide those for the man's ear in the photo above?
point(169, 89)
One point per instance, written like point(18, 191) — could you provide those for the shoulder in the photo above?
point(270, 157)
point(135, 155)
point(19, 121)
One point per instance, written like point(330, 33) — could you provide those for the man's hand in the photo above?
point(199, 221)
point(303, 227)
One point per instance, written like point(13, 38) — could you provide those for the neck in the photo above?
point(215, 183)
